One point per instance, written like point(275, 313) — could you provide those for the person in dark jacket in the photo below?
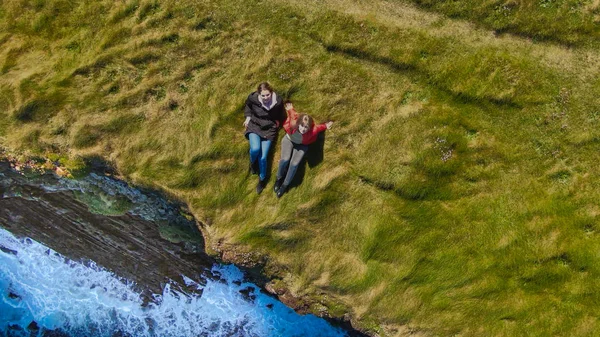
point(264, 113)
point(300, 132)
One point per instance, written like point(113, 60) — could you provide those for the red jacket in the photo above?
point(310, 136)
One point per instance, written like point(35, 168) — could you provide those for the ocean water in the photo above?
point(42, 293)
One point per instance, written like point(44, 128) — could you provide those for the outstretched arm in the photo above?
point(292, 117)
point(323, 126)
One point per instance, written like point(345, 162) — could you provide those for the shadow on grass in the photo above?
point(430, 189)
point(291, 91)
point(100, 63)
point(411, 69)
point(40, 109)
point(572, 37)
point(364, 55)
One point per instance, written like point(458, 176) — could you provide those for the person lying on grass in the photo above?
point(300, 132)
point(263, 112)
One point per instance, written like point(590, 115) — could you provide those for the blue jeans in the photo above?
point(259, 146)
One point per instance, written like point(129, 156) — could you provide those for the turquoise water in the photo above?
point(42, 291)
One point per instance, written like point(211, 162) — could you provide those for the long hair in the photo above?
point(264, 86)
point(306, 121)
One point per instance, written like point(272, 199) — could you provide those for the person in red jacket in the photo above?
point(300, 131)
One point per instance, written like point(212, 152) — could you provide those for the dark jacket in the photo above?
point(263, 122)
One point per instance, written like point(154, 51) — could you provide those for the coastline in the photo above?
point(258, 268)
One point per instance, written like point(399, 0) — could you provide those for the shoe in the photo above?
point(253, 169)
point(260, 186)
point(277, 185)
point(281, 191)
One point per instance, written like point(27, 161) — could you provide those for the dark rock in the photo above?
point(15, 327)
point(8, 251)
point(13, 296)
point(214, 326)
point(54, 333)
point(33, 327)
point(248, 294)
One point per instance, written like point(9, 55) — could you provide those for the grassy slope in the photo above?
point(567, 22)
point(458, 190)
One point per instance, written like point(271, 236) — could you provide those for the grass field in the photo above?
point(456, 194)
point(565, 22)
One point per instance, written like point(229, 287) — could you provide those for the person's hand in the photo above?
point(288, 106)
point(329, 124)
point(246, 122)
point(277, 123)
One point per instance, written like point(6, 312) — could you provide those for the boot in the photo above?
point(260, 186)
point(281, 191)
point(277, 185)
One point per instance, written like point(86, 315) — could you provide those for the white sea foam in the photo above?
point(39, 285)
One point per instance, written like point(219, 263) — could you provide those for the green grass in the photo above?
point(568, 22)
point(457, 192)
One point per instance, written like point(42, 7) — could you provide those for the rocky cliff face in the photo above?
point(139, 236)
point(136, 234)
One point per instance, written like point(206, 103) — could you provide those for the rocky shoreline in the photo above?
point(97, 215)
point(147, 242)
